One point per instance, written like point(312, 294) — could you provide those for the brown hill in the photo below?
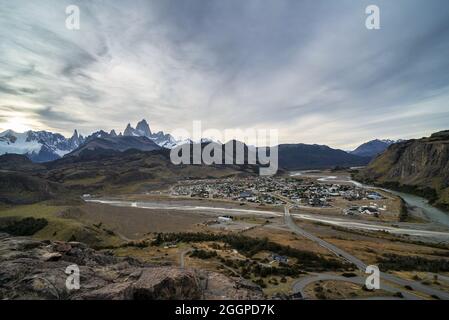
point(419, 166)
point(102, 171)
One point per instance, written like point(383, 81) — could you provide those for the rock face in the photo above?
point(421, 165)
point(143, 130)
point(31, 269)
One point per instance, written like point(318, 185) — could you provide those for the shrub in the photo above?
point(203, 254)
point(23, 227)
point(413, 263)
point(250, 246)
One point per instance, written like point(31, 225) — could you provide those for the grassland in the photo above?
point(61, 228)
point(330, 290)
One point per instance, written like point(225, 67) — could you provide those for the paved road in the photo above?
point(442, 236)
point(302, 283)
point(360, 264)
point(337, 251)
point(292, 225)
point(437, 235)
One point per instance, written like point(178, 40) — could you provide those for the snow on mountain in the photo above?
point(143, 130)
point(39, 146)
point(42, 146)
point(372, 148)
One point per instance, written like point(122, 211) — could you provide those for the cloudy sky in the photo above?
point(308, 68)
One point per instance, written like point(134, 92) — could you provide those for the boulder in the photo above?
point(31, 269)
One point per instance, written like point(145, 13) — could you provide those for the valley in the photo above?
point(299, 245)
point(307, 234)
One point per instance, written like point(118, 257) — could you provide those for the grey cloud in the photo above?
point(309, 68)
point(50, 115)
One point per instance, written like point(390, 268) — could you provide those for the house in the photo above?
point(374, 196)
point(351, 211)
point(279, 258)
point(169, 245)
point(245, 194)
point(369, 210)
point(225, 219)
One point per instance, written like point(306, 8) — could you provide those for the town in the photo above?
point(279, 191)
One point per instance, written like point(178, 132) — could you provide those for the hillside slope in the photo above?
point(420, 166)
point(117, 144)
point(372, 148)
point(307, 156)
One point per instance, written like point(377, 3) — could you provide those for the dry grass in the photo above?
point(332, 290)
point(61, 228)
point(286, 237)
point(135, 223)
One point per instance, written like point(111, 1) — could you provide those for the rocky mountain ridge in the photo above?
point(39, 146)
point(44, 146)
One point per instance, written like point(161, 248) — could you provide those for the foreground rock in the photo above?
point(31, 269)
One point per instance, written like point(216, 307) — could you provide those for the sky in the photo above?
point(310, 69)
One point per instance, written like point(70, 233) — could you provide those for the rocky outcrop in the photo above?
point(420, 166)
point(31, 269)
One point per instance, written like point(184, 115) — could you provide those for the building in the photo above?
point(279, 258)
point(225, 219)
point(245, 194)
point(374, 196)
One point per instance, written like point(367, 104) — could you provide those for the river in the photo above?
point(432, 213)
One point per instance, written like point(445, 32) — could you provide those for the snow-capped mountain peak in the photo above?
point(42, 146)
point(373, 148)
point(143, 130)
point(39, 146)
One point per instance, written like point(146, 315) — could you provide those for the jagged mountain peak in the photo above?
point(7, 132)
point(129, 131)
point(39, 146)
point(143, 128)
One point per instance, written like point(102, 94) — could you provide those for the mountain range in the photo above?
point(43, 146)
point(143, 130)
point(313, 156)
point(39, 146)
point(416, 166)
point(116, 143)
